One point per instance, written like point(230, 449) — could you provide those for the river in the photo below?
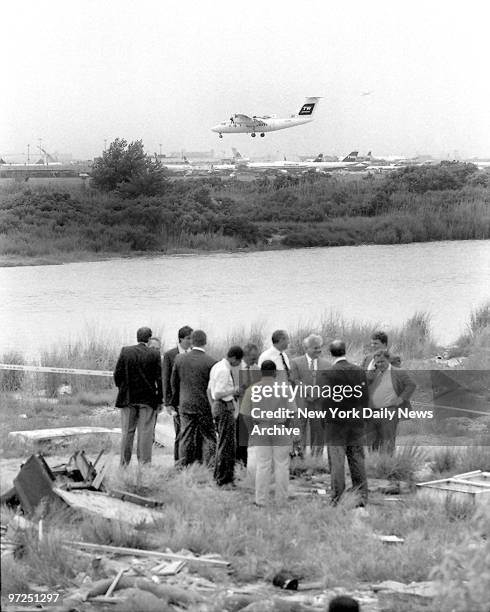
point(385, 284)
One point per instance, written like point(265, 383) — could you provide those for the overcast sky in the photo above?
point(76, 73)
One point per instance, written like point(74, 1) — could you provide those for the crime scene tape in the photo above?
point(425, 405)
point(28, 368)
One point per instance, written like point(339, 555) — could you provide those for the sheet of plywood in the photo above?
point(108, 507)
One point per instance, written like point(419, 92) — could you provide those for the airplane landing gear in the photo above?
point(221, 135)
point(253, 134)
point(262, 135)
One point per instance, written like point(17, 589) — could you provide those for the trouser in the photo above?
point(241, 440)
point(251, 466)
point(177, 436)
point(197, 440)
point(383, 434)
point(272, 457)
point(347, 442)
point(317, 433)
point(224, 419)
point(140, 418)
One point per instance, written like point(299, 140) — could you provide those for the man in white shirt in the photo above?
point(224, 391)
point(277, 354)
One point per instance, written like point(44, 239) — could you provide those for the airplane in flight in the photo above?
point(244, 124)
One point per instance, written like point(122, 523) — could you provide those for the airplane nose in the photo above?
point(215, 128)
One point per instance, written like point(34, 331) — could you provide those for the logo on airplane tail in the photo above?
point(307, 109)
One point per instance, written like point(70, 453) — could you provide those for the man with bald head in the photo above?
point(138, 376)
point(345, 432)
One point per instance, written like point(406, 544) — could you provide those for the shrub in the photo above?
point(11, 380)
point(464, 573)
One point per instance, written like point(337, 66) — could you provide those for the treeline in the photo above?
point(447, 201)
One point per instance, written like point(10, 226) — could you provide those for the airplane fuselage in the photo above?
point(260, 125)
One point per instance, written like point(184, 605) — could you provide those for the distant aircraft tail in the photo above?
point(352, 157)
point(319, 158)
point(186, 161)
point(236, 154)
point(308, 107)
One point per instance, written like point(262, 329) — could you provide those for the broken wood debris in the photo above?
point(122, 550)
point(113, 584)
point(80, 485)
point(95, 502)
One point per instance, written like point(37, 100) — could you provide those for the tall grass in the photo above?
point(99, 349)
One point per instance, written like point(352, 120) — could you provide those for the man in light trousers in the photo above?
point(271, 451)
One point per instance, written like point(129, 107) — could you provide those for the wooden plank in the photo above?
point(457, 476)
point(110, 590)
point(37, 435)
point(121, 550)
point(147, 502)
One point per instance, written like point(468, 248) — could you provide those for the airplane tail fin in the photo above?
point(352, 157)
point(319, 158)
point(309, 107)
point(186, 161)
point(236, 154)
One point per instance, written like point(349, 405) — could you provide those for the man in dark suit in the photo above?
point(183, 346)
point(304, 371)
point(344, 423)
point(389, 388)
point(189, 383)
point(138, 376)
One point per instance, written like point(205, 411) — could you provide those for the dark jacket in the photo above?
point(168, 364)
point(138, 375)
point(339, 377)
point(189, 382)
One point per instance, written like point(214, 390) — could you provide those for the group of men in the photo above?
point(211, 403)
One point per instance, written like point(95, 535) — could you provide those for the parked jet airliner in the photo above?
point(243, 124)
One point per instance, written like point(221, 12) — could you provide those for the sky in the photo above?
point(76, 74)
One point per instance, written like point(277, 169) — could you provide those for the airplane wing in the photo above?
point(251, 122)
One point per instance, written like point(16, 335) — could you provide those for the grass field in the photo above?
point(448, 542)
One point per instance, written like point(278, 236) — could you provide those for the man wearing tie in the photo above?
point(189, 384)
point(223, 389)
point(277, 354)
point(304, 372)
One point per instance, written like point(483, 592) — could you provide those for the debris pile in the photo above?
point(80, 484)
